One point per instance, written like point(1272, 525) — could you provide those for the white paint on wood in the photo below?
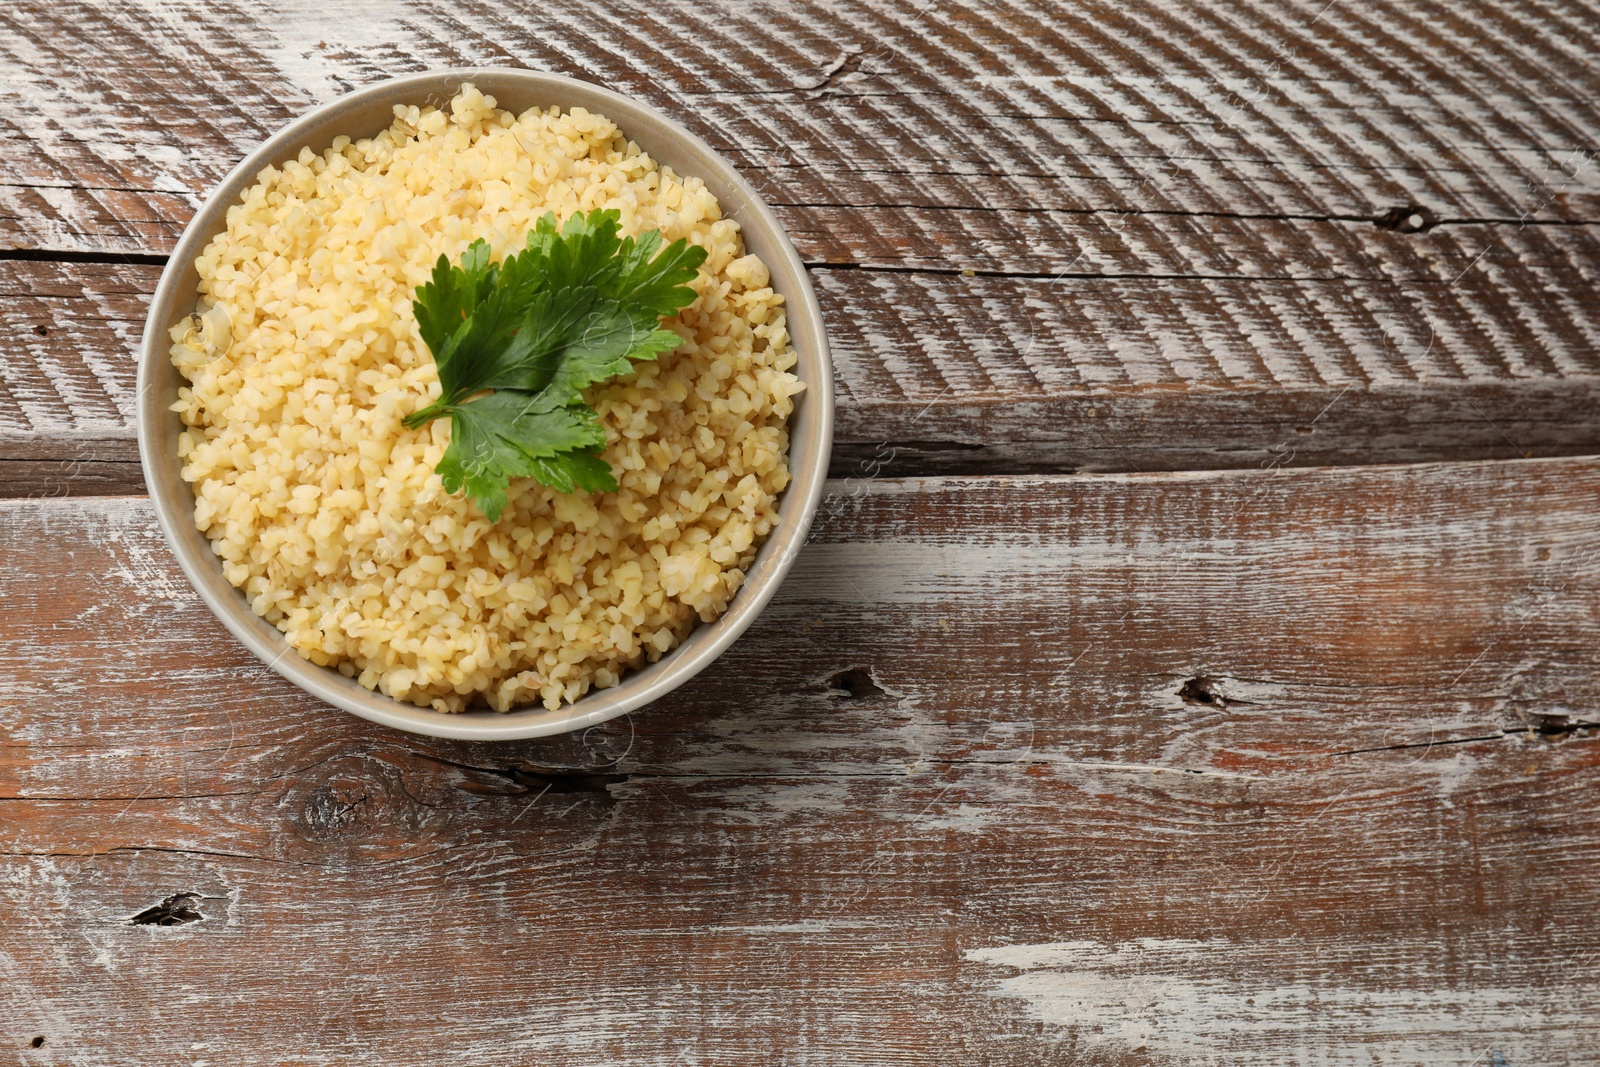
point(803, 926)
point(306, 41)
point(1195, 115)
point(1020, 830)
point(1201, 1002)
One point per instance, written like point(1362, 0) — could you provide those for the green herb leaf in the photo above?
point(501, 436)
point(517, 342)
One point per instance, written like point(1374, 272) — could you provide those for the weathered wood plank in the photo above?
point(1276, 766)
point(1268, 108)
point(34, 478)
point(954, 374)
point(69, 337)
point(1144, 219)
point(1167, 212)
point(1246, 768)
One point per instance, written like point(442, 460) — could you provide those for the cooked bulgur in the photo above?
point(303, 357)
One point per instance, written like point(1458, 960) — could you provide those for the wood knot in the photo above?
point(1202, 690)
point(855, 683)
point(356, 798)
point(1557, 726)
point(334, 809)
point(1410, 219)
point(177, 910)
point(388, 802)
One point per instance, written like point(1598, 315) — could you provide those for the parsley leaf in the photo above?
point(517, 342)
point(501, 436)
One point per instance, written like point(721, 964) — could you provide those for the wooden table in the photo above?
point(1195, 661)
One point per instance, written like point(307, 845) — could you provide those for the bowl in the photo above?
point(362, 114)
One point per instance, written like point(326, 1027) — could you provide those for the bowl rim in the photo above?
point(810, 425)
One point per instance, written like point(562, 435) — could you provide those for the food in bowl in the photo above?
point(304, 359)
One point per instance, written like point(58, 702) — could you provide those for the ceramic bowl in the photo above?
point(363, 114)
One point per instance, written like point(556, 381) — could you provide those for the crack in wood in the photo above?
point(1067, 274)
point(519, 780)
point(48, 255)
point(1557, 726)
point(1408, 219)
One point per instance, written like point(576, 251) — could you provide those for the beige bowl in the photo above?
point(362, 114)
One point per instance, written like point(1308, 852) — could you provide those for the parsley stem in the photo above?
point(423, 416)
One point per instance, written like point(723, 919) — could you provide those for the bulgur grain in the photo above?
point(303, 357)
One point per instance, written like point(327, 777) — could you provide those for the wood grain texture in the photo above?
point(1167, 213)
point(1273, 108)
point(1248, 768)
point(1277, 766)
point(940, 373)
